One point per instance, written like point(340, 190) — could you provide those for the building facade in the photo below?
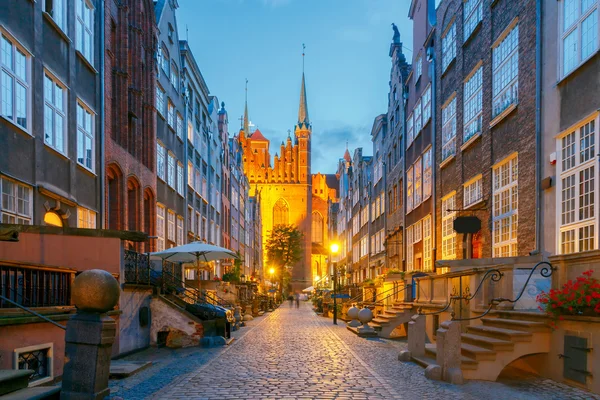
point(52, 108)
point(377, 197)
point(130, 117)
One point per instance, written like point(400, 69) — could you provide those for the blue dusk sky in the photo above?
point(347, 65)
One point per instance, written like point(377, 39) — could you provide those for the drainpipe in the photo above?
point(101, 154)
point(538, 129)
point(433, 164)
point(403, 153)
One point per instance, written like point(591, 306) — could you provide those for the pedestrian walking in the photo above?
point(297, 300)
point(291, 300)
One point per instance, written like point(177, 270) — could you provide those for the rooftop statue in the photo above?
point(396, 38)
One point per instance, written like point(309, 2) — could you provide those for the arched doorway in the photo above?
point(149, 216)
point(114, 201)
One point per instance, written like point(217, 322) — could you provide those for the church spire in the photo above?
point(246, 121)
point(303, 109)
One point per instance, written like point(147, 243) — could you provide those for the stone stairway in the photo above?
point(386, 323)
point(488, 348)
point(14, 386)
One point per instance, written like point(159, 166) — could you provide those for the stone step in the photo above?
point(35, 393)
point(465, 362)
point(487, 342)
point(500, 333)
point(516, 324)
point(423, 361)
point(477, 353)
point(14, 379)
point(381, 321)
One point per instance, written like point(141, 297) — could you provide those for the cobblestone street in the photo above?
point(294, 354)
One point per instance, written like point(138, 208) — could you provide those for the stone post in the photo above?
point(89, 337)
point(416, 339)
point(448, 351)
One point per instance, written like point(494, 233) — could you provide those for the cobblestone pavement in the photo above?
point(294, 354)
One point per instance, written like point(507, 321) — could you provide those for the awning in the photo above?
point(309, 289)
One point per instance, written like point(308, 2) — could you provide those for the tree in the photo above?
point(284, 248)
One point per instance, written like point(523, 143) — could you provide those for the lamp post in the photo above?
point(334, 250)
point(271, 271)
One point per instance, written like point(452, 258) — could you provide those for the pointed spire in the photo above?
point(246, 121)
point(303, 110)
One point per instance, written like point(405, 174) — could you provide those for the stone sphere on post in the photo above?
point(353, 313)
point(95, 291)
point(365, 316)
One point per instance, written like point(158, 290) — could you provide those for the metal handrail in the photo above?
point(219, 300)
point(546, 272)
point(397, 291)
point(33, 312)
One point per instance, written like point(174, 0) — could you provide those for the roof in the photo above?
point(303, 109)
point(347, 156)
point(258, 136)
point(332, 181)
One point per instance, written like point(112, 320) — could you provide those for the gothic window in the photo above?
point(317, 227)
point(281, 213)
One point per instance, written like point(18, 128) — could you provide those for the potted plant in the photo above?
point(579, 297)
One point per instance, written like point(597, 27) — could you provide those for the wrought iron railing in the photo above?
point(397, 291)
point(137, 268)
point(31, 287)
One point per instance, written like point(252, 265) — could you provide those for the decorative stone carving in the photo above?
point(353, 315)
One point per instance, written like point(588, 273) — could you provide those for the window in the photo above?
point(54, 113)
point(409, 190)
point(427, 265)
point(179, 230)
point(166, 62)
point(179, 126)
point(171, 171)
point(170, 113)
point(426, 100)
point(418, 120)
point(171, 226)
point(190, 132)
point(427, 174)
point(15, 202)
point(448, 47)
point(577, 185)
point(86, 218)
point(160, 100)
point(505, 76)
point(57, 10)
point(84, 29)
point(160, 161)
point(85, 137)
point(448, 232)
point(449, 130)
point(418, 68)
point(190, 174)
point(472, 14)
point(409, 131)
point(280, 213)
point(175, 76)
point(472, 191)
point(418, 193)
point(160, 226)
point(14, 84)
point(317, 228)
point(180, 187)
point(505, 217)
point(37, 358)
point(579, 38)
point(472, 105)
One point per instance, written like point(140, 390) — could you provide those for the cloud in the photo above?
point(329, 144)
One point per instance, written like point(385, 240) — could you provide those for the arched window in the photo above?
point(281, 213)
point(317, 227)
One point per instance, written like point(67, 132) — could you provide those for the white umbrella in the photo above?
point(193, 252)
point(309, 289)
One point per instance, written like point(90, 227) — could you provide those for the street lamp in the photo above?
point(334, 250)
point(272, 271)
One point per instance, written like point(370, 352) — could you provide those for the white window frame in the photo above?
point(410, 135)
point(577, 216)
point(576, 28)
point(160, 161)
point(180, 184)
point(21, 195)
point(84, 25)
point(84, 135)
point(170, 113)
point(449, 129)
point(427, 174)
point(166, 61)
point(86, 218)
point(472, 16)
point(171, 172)
point(418, 120)
point(418, 182)
point(509, 217)
point(160, 100)
point(179, 230)
point(160, 226)
point(426, 102)
point(473, 191)
point(473, 104)
point(409, 190)
point(418, 68)
point(448, 232)
point(19, 74)
point(427, 264)
point(171, 217)
point(50, 358)
point(174, 76)
point(179, 125)
point(505, 71)
point(60, 17)
point(448, 46)
point(52, 107)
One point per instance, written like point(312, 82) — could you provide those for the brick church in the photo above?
point(289, 193)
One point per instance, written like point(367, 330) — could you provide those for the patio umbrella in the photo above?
point(194, 252)
point(308, 289)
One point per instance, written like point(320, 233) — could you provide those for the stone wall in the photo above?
point(166, 316)
point(133, 336)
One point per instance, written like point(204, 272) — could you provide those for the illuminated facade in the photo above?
point(289, 193)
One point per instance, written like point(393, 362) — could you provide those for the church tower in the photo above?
point(303, 132)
